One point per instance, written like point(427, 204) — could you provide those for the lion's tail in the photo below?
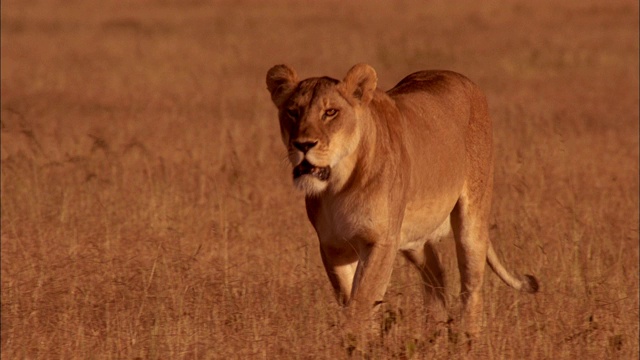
point(527, 283)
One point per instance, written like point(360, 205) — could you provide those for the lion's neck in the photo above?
point(376, 152)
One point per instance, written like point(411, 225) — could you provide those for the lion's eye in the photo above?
point(292, 113)
point(329, 113)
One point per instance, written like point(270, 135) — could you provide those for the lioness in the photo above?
point(393, 171)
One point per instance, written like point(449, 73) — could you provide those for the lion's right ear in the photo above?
point(281, 80)
point(360, 83)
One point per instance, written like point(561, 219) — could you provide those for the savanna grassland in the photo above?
point(147, 206)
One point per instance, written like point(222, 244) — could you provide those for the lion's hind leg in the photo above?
point(427, 262)
point(471, 234)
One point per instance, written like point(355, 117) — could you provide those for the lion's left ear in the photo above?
point(281, 80)
point(360, 83)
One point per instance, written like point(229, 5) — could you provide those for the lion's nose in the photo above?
point(304, 146)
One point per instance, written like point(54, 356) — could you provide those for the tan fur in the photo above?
point(406, 166)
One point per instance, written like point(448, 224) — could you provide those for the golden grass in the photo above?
point(147, 210)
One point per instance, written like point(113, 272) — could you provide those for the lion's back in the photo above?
point(436, 102)
point(434, 82)
point(438, 109)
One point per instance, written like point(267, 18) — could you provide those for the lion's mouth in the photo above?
point(306, 168)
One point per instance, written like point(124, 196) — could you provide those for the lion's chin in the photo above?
point(311, 179)
point(310, 185)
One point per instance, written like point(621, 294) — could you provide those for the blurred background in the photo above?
point(147, 209)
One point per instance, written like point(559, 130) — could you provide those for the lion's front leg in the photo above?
point(340, 265)
point(370, 281)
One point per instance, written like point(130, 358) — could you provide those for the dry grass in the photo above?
point(147, 211)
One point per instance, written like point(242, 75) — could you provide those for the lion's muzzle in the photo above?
point(306, 168)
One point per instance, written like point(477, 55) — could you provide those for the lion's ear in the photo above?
point(360, 82)
point(281, 80)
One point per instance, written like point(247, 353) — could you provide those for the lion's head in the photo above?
point(320, 122)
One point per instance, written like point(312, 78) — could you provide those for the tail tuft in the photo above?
point(530, 284)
